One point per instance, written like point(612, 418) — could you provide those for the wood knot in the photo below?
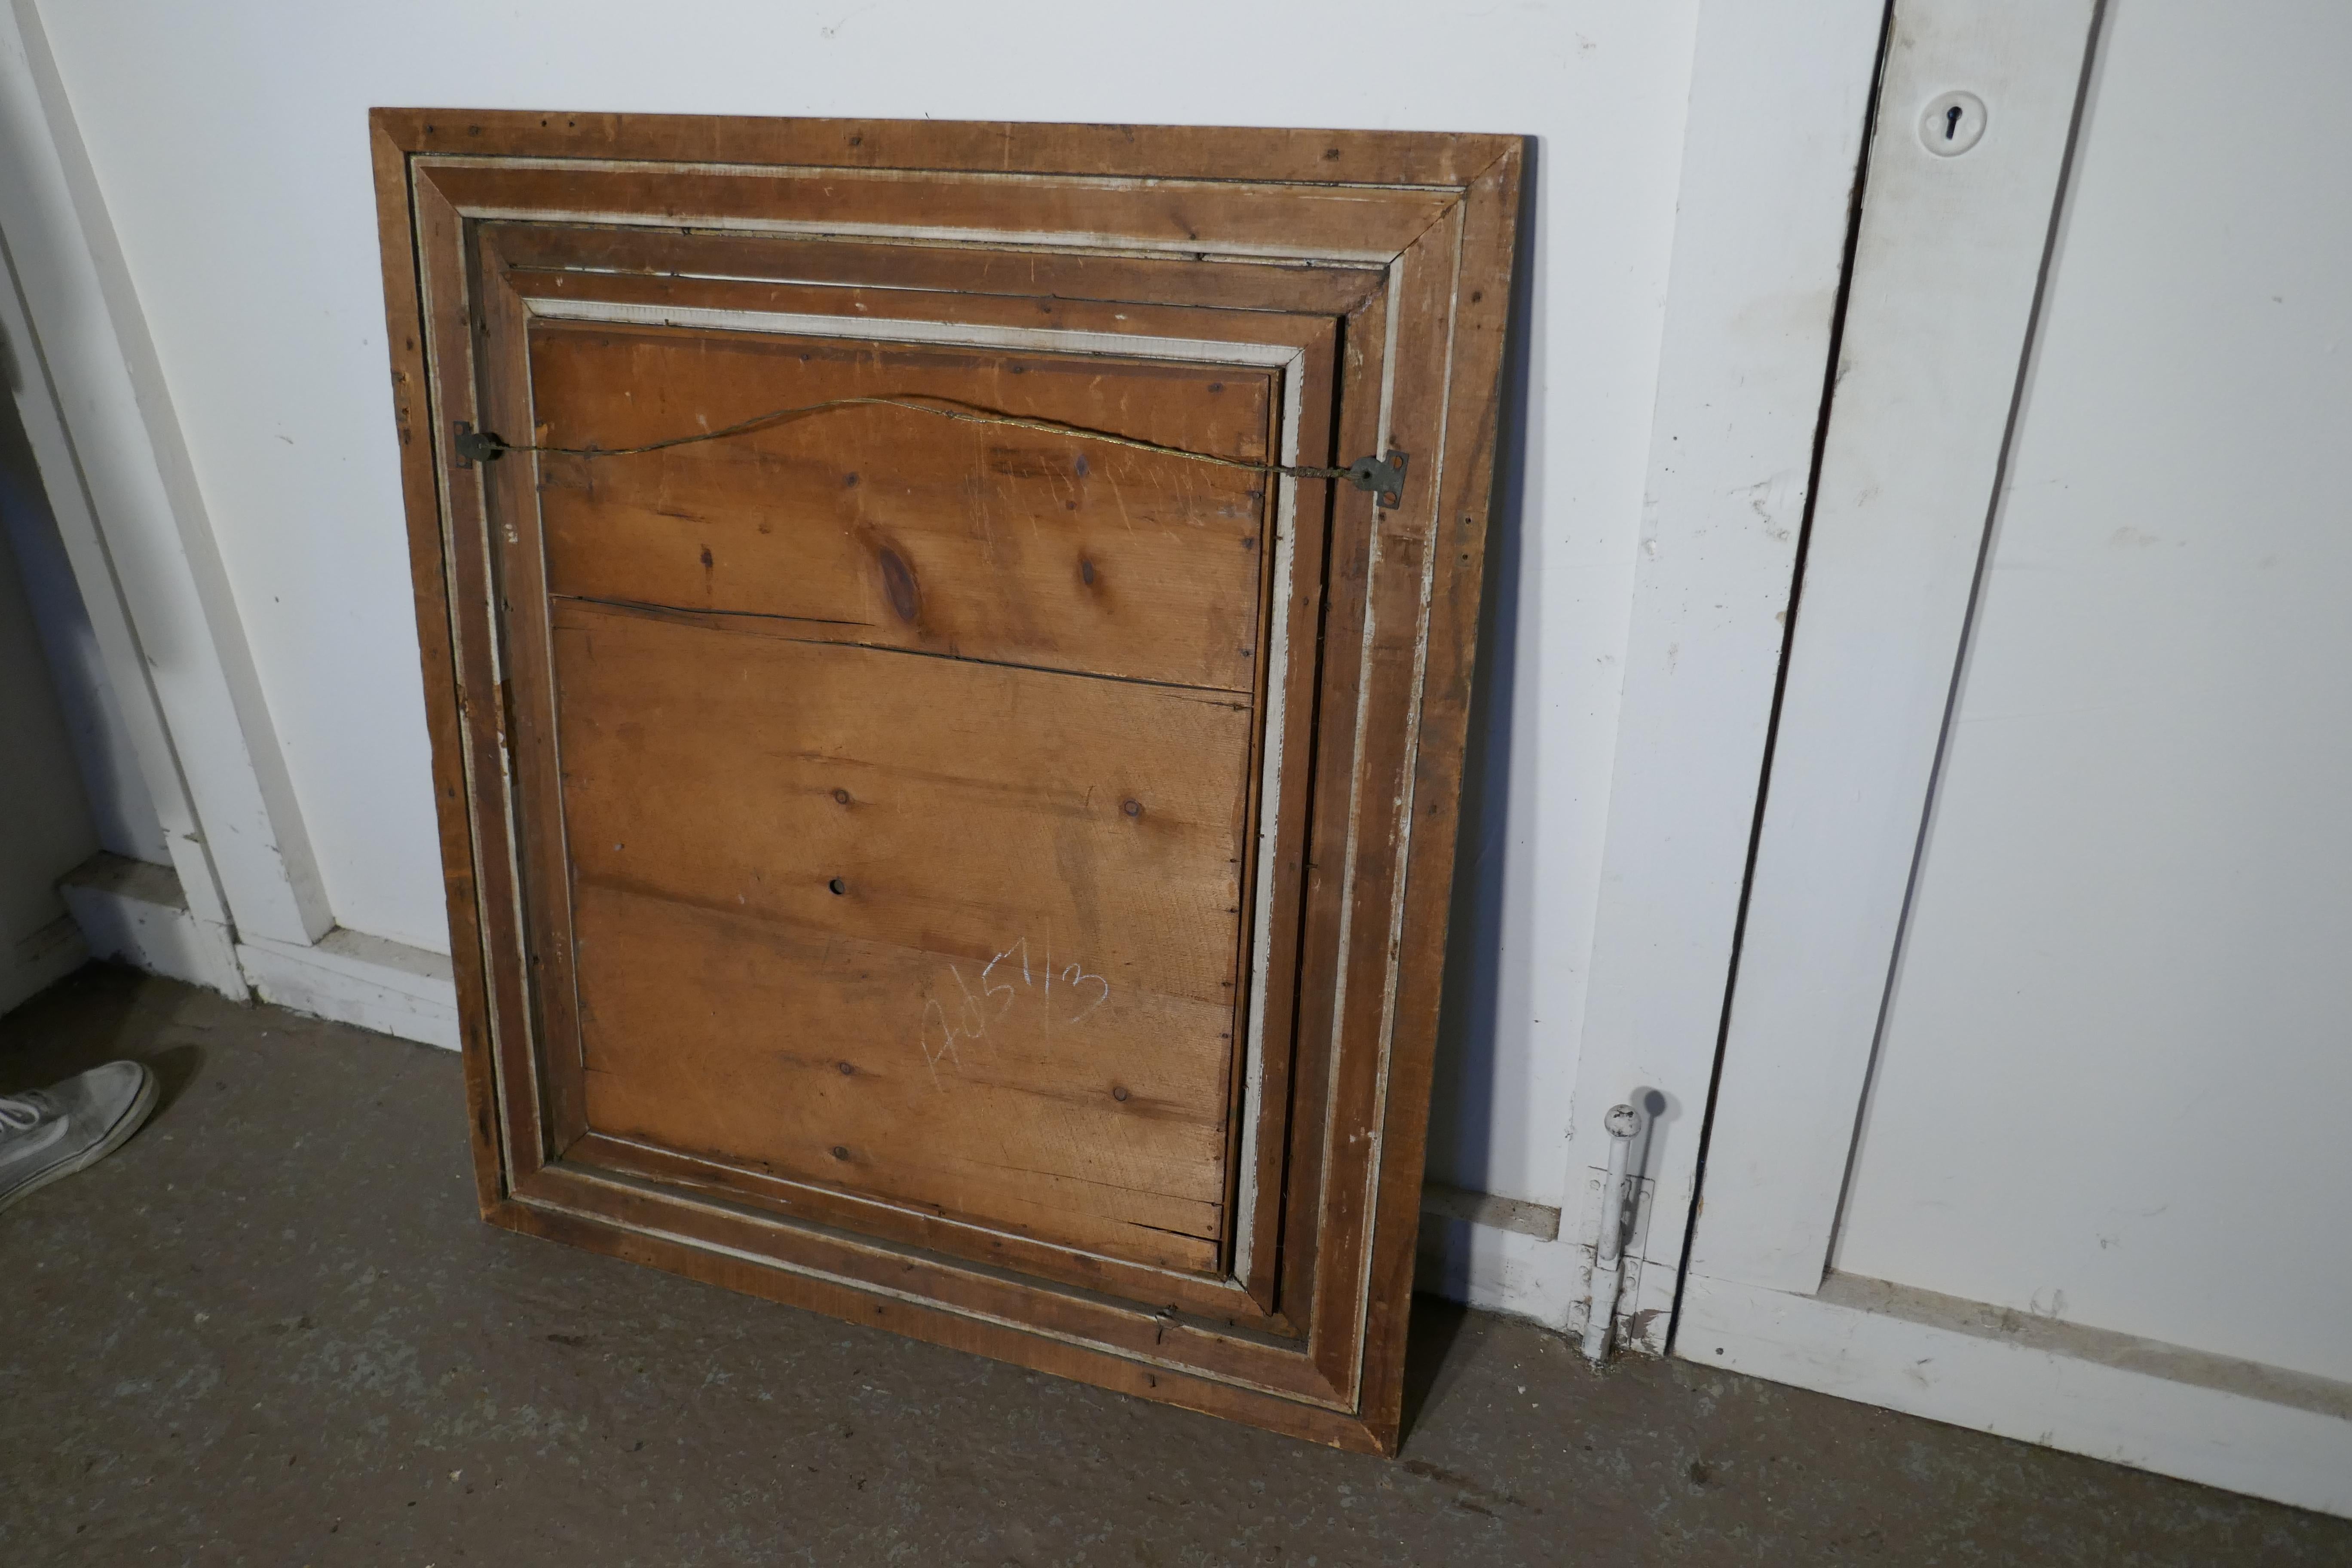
point(898, 582)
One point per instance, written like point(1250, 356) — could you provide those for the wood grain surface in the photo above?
point(882, 526)
point(954, 933)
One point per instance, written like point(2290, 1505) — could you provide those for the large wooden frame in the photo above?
point(1369, 273)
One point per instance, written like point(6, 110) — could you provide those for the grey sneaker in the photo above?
point(68, 1127)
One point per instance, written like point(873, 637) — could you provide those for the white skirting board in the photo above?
point(358, 979)
point(2238, 1425)
point(137, 914)
point(1503, 1254)
point(134, 912)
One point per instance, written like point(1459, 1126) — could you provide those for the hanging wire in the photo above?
point(1367, 474)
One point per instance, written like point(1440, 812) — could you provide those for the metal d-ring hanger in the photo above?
point(1383, 476)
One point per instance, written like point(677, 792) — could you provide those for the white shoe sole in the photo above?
point(129, 1122)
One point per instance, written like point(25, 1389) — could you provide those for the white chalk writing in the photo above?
point(962, 1009)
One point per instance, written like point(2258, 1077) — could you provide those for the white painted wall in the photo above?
point(229, 144)
point(2116, 1062)
point(1778, 105)
point(45, 823)
point(120, 811)
point(131, 519)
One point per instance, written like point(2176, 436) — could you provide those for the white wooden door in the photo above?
point(2031, 1105)
point(2119, 1043)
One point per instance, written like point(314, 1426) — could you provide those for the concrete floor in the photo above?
point(271, 1331)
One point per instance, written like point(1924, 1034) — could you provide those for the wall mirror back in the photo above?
point(948, 649)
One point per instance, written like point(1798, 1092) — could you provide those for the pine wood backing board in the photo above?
point(879, 526)
point(983, 922)
point(770, 768)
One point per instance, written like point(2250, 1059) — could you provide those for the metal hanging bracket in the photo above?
point(1384, 479)
point(474, 445)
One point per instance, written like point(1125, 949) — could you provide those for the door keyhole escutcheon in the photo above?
point(1952, 123)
